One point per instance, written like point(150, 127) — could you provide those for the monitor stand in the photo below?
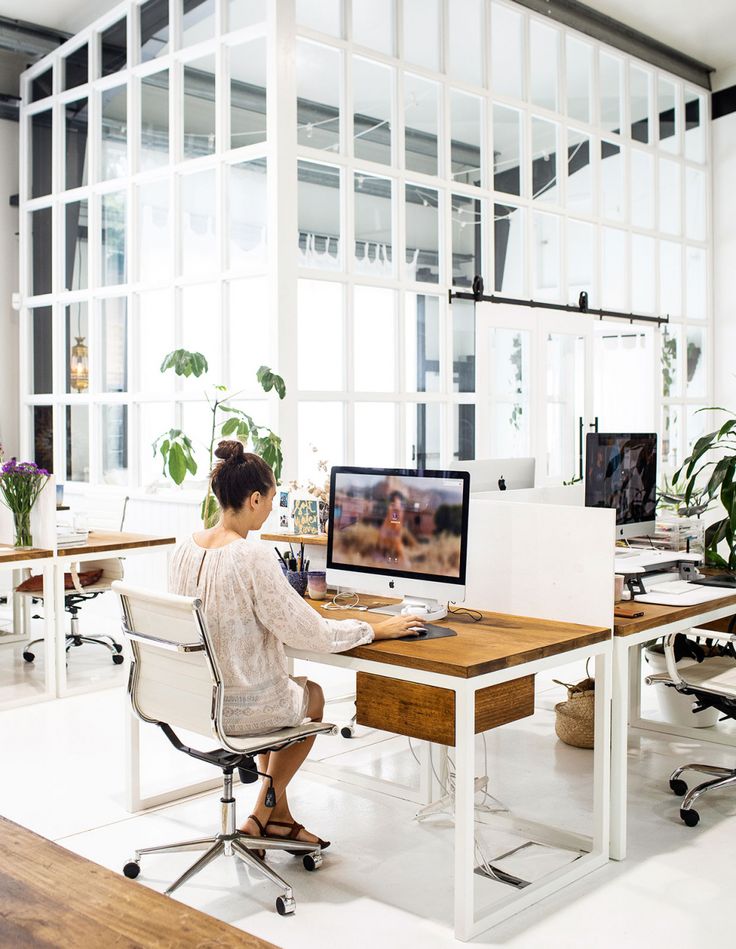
point(427, 608)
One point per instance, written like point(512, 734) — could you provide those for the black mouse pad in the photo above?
point(432, 632)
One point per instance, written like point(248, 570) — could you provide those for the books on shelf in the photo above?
point(69, 537)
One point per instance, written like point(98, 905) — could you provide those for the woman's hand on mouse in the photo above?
point(395, 627)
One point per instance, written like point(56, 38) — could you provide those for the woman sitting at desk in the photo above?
point(252, 612)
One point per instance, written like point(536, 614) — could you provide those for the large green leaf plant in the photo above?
point(177, 449)
point(713, 457)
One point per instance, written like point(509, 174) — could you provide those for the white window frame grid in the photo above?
point(282, 153)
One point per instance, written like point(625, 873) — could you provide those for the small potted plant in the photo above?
point(20, 485)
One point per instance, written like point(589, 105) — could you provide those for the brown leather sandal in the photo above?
point(261, 854)
point(293, 834)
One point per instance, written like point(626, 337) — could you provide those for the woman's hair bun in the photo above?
point(230, 451)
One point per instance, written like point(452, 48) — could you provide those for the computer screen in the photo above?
point(399, 531)
point(621, 473)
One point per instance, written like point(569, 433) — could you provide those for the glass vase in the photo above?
point(22, 521)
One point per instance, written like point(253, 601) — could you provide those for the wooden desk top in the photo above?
point(656, 615)
point(104, 541)
point(52, 897)
point(11, 555)
point(319, 540)
point(496, 642)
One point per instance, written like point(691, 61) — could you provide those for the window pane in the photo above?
point(610, 80)
point(642, 274)
point(546, 256)
point(579, 62)
point(422, 327)
point(154, 418)
point(374, 339)
point(510, 371)
point(694, 127)
point(506, 150)
point(154, 26)
point(669, 196)
point(543, 53)
point(114, 345)
point(375, 434)
point(422, 33)
point(462, 318)
point(155, 338)
point(318, 85)
point(642, 189)
point(115, 444)
point(695, 204)
point(197, 21)
point(199, 107)
point(77, 443)
point(579, 173)
point(198, 223)
point(41, 154)
point(612, 181)
point(248, 94)
point(565, 373)
point(76, 123)
point(42, 85)
point(423, 433)
point(114, 47)
point(373, 226)
point(76, 68)
point(467, 32)
point(372, 110)
point(320, 437)
point(319, 215)
point(248, 216)
point(373, 24)
point(696, 283)
point(41, 351)
point(509, 249)
point(249, 346)
point(155, 244)
point(114, 161)
point(463, 430)
point(545, 148)
point(466, 135)
point(77, 347)
point(76, 245)
point(696, 424)
point(43, 436)
point(695, 359)
point(245, 13)
point(421, 118)
point(41, 255)
point(320, 335)
point(667, 111)
point(114, 263)
point(670, 360)
point(613, 269)
point(321, 15)
point(466, 240)
point(580, 259)
point(640, 98)
point(670, 278)
point(154, 120)
point(507, 52)
point(203, 335)
point(422, 235)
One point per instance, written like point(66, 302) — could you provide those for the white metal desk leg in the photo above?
point(602, 754)
point(464, 796)
point(132, 760)
point(60, 629)
point(49, 629)
point(619, 736)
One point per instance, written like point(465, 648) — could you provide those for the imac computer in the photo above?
point(621, 473)
point(497, 474)
point(400, 532)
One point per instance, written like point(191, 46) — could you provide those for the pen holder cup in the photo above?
point(298, 580)
point(317, 584)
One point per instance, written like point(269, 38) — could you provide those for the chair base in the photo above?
point(722, 778)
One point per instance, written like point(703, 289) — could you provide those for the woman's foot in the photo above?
point(254, 828)
point(291, 830)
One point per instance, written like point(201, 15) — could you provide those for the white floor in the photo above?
point(386, 879)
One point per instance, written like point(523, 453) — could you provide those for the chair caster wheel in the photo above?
point(117, 647)
point(678, 787)
point(312, 861)
point(285, 905)
point(118, 659)
point(131, 869)
point(29, 656)
point(690, 817)
point(347, 731)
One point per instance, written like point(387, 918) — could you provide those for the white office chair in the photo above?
point(712, 683)
point(175, 681)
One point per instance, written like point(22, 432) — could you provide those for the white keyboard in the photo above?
point(673, 586)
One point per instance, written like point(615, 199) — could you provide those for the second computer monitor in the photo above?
point(621, 473)
point(497, 474)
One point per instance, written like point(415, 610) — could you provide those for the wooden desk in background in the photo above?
point(629, 636)
point(51, 897)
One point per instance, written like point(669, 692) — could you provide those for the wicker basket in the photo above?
point(575, 718)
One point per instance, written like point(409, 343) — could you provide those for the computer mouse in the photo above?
point(419, 630)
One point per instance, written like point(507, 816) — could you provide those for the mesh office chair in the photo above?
point(112, 570)
point(175, 682)
point(712, 683)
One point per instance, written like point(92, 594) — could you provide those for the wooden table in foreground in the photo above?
point(52, 897)
point(629, 636)
point(114, 542)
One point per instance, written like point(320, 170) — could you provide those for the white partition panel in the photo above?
point(543, 560)
point(572, 494)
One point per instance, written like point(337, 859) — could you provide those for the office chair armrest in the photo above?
point(169, 644)
point(669, 658)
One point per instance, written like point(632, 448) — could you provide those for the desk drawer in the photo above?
point(428, 712)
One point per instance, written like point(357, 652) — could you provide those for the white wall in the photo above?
point(8, 284)
point(724, 259)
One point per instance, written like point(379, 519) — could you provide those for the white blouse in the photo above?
point(252, 612)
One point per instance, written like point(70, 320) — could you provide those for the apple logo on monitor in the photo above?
point(502, 483)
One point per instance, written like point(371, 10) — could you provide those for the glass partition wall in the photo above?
point(187, 183)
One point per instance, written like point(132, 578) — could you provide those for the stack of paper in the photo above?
point(69, 537)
